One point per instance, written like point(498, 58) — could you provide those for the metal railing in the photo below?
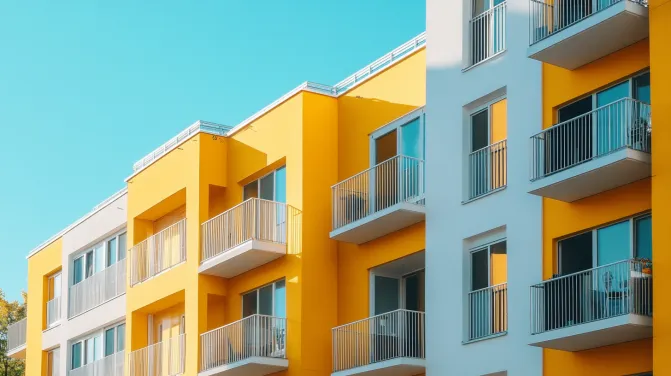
point(164, 358)
point(254, 219)
point(111, 365)
point(398, 179)
point(551, 16)
point(255, 335)
point(396, 334)
point(488, 34)
point(97, 289)
point(53, 311)
point(16, 334)
point(157, 253)
point(488, 311)
point(625, 123)
point(621, 288)
point(488, 169)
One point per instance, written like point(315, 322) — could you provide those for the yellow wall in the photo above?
point(40, 267)
point(561, 219)
point(660, 55)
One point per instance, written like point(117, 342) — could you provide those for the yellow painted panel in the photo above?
point(499, 120)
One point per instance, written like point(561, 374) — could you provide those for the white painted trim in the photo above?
point(278, 363)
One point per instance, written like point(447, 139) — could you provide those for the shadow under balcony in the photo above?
point(592, 153)
point(389, 344)
point(598, 307)
point(253, 346)
point(245, 237)
point(383, 199)
point(572, 33)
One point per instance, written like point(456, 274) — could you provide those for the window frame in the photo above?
point(488, 248)
point(487, 106)
point(594, 231)
point(256, 291)
point(91, 336)
point(104, 243)
point(397, 125)
point(258, 184)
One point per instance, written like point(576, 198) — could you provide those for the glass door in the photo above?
point(479, 161)
point(612, 121)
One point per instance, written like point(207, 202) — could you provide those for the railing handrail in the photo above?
point(627, 99)
point(631, 260)
point(488, 288)
point(241, 204)
point(166, 340)
point(241, 320)
point(489, 146)
point(183, 220)
point(376, 316)
point(490, 10)
point(398, 156)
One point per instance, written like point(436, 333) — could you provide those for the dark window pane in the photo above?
point(268, 187)
point(386, 294)
point(266, 300)
point(249, 304)
point(251, 190)
point(76, 355)
point(479, 130)
point(479, 270)
point(111, 252)
point(109, 342)
point(575, 254)
point(121, 337)
point(644, 237)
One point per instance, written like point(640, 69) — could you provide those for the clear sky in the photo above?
point(89, 87)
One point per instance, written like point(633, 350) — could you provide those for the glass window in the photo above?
point(53, 362)
point(109, 342)
point(122, 246)
point(76, 360)
point(281, 185)
point(642, 87)
point(385, 147)
point(613, 243)
point(479, 130)
point(280, 299)
point(57, 285)
point(89, 264)
point(251, 190)
point(121, 337)
point(78, 271)
point(410, 140)
point(480, 270)
point(99, 258)
point(249, 304)
point(266, 300)
point(386, 294)
point(643, 236)
point(111, 252)
point(267, 187)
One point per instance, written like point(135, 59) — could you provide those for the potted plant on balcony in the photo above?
point(646, 265)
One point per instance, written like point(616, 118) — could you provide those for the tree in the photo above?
point(10, 312)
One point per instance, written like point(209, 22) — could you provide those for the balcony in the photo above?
point(165, 358)
point(376, 202)
point(572, 33)
point(487, 169)
point(53, 312)
point(158, 253)
point(99, 288)
point(243, 238)
point(111, 365)
point(16, 339)
point(487, 34)
point(253, 346)
point(392, 343)
point(598, 307)
point(601, 150)
point(488, 312)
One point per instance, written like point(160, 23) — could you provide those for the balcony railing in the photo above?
point(16, 335)
point(488, 312)
point(97, 289)
point(604, 292)
point(164, 358)
point(253, 336)
point(53, 311)
point(396, 334)
point(254, 219)
point(488, 34)
point(396, 180)
point(111, 365)
point(157, 253)
point(625, 123)
point(488, 169)
point(552, 16)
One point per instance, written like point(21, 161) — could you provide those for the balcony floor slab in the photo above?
point(624, 328)
point(252, 366)
point(244, 257)
point(392, 367)
point(381, 223)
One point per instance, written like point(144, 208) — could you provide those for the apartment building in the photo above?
point(289, 244)
point(541, 187)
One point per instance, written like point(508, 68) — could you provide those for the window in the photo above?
point(488, 299)
point(271, 187)
point(404, 136)
point(487, 158)
point(620, 241)
point(487, 31)
point(268, 300)
point(55, 286)
point(53, 362)
point(76, 360)
point(98, 345)
point(99, 257)
point(121, 337)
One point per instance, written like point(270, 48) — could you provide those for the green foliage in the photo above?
point(10, 312)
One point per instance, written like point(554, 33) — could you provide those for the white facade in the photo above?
point(455, 224)
point(107, 221)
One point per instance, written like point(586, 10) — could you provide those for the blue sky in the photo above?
point(89, 87)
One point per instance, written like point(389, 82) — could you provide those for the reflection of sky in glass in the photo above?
point(280, 299)
point(99, 259)
point(644, 237)
point(613, 243)
point(281, 185)
point(410, 144)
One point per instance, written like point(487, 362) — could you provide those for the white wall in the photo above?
point(105, 222)
point(449, 223)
